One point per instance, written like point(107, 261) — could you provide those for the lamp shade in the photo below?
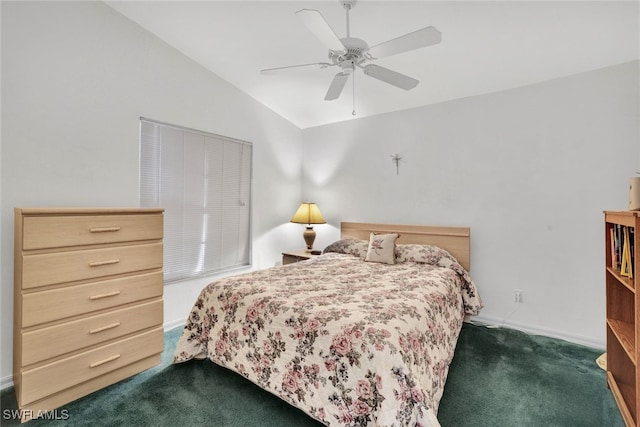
point(308, 213)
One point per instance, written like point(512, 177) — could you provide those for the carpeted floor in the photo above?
point(499, 377)
point(504, 377)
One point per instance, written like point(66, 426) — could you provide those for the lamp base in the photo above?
point(309, 236)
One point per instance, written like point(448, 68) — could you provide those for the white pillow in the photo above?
point(382, 248)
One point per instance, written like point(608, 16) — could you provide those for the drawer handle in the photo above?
point(107, 295)
point(105, 328)
point(104, 229)
point(107, 262)
point(102, 362)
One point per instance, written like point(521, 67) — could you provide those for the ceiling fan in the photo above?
point(349, 53)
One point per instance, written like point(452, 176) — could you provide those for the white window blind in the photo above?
point(203, 182)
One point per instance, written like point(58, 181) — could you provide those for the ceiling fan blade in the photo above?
point(315, 22)
point(335, 89)
point(319, 64)
point(418, 39)
point(392, 77)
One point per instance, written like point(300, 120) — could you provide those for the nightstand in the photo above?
point(290, 257)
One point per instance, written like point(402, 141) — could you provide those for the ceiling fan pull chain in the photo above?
point(353, 113)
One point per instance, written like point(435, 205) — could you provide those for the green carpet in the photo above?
point(503, 377)
point(499, 377)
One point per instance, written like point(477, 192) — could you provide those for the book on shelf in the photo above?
point(632, 245)
point(612, 241)
point(623, 249)
point(616, 254)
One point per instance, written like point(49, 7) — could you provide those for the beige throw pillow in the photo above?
point(382, 248)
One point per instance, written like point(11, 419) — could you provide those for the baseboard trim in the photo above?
point(179, 323)
point(535, 330)
point(6, 382)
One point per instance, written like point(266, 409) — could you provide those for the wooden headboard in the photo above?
point(456, 240)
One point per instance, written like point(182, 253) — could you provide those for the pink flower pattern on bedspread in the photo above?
point(351, 343)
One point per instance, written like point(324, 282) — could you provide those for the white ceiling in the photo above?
point(486, 47)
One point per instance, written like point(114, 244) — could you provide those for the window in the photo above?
point(203, 182)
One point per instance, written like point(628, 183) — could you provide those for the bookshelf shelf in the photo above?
point(625, 281)
point(623, 311)
point(625, 334)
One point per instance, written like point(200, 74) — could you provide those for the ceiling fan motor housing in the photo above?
point(353, 55)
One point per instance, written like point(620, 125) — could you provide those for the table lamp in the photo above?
point(308, 213)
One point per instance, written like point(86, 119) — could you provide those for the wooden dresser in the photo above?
point(88, 308)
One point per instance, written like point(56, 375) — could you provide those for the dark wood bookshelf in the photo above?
point(623, 314)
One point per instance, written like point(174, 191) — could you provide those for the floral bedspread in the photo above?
point(349, 342)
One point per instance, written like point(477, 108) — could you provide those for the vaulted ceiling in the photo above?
point(487, 46)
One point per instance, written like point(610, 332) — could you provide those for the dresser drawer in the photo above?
point(60, 375)
point(57, 340)
point(56, 304)
point(52, 268)
point(41, 232)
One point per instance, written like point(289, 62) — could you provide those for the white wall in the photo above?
point(76, 78)
point(530, 170)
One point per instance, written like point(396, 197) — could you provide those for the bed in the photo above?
point(362, 335)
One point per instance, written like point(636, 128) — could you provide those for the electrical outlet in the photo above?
point(518, 295)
